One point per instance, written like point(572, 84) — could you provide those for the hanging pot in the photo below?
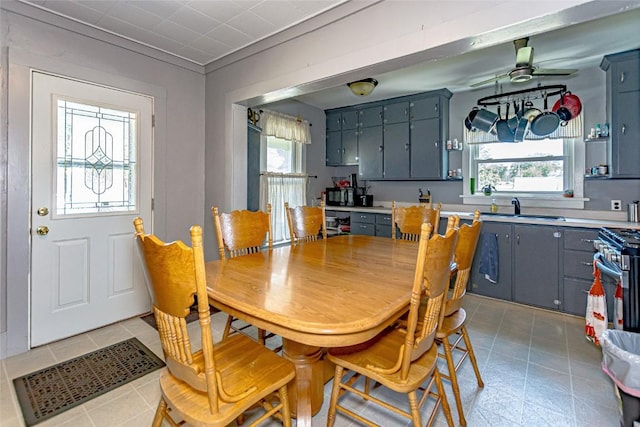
point(504, 132)
point(530, 112)
point(546, 122)
point(568, 106)
point(522, 130)
point(513, 120)
point(469, 118)
point(485, 120)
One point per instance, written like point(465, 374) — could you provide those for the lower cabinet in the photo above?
point(480, 284)
point(578, 272)
point(536, 265)
point(371, 224)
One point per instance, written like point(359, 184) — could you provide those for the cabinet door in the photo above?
point(396, 151)
point(625, 144)
point(479, 283)
point(349, 147)
point(425, 108)
point(334, 121)
point(383, 230)
point(627, 76)
point(334, 148)
point(370, 151)
point(580, 239)
point(371, 116)
point(349, 119)
point(536, 265)
point(396, 113)
point(426, 149)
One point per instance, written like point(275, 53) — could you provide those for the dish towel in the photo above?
point(489, 256)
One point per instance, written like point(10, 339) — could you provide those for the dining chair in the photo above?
point(402, 359)
point(216, 384)
point(453, 319)
point(242, 232)
point(406, 221)
point(306, 223)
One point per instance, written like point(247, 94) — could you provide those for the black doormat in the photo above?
point(150, 319)
point(58, 388)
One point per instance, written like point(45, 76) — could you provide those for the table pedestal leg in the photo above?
point(307, 391)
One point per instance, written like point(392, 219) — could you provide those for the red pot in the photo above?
point(568, 106)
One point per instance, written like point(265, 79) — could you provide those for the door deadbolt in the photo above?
point(43, 230)
point(43, 211)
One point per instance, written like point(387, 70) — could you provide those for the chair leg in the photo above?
point(160, 413)
point(415, 410)
point(472, 356)
point(454, 379)
point(335, 391)
point(227, 327)
point(286, 411)
point(443, 397)
point(261, 336)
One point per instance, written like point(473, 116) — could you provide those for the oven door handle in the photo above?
point(599, 263)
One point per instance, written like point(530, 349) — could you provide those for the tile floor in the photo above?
point(537, 367)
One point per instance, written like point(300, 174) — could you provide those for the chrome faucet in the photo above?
point(516, 203)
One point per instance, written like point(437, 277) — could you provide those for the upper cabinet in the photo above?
point(397, 139)
point(342, 138)
point(623, 110)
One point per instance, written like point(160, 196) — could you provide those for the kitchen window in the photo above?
point(527, 167)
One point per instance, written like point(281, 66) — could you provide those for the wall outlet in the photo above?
point(616, 205)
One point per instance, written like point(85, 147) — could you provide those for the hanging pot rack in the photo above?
point(533, 93)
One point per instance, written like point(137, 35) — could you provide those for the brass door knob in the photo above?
point(43, 230)
point(43, 211)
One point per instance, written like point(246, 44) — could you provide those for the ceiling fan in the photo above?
point(524, 69)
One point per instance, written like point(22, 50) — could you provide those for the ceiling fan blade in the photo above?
point(553, 71)
point(491, 80)
point(524, 57)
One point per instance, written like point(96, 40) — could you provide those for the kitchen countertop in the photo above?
point(525, 218)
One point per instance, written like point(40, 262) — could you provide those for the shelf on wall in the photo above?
point(600, 139)
point(590, 176)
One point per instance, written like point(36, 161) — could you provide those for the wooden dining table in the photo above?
point(334, 292)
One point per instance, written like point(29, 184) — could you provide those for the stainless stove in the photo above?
point(618, 258)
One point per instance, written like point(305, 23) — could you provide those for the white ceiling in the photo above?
point(204, 31)
point(200, 31)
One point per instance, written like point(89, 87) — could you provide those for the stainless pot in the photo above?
point(485, 120)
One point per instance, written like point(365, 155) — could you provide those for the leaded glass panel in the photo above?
point(95, 158)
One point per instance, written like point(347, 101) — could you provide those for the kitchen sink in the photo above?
point(524, 216)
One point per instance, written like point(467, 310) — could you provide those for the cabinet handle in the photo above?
point(590, 264)
point(506, 235)
point(435, 108)
point(587, 240)
point(380, 148)
point(363, 216)
point(622, 77)
point(517, 239)
point(436, 143)
point(344, 151)
point(406, 147)
point(623, 129)
point(406, 112)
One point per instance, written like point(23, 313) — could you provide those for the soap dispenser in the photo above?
point(494, 206)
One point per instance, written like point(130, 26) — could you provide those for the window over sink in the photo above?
point(535, 170)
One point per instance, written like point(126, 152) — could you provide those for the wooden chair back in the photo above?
point(430, 285)
point(242, 232)
point(306, 223)
point(176, 273)
point(409, 220)
point(468, 236)
point(453, 222)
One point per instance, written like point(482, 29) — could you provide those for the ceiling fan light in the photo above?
point(363, 87)
point(521, 75)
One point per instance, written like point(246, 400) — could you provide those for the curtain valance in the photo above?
point(285, 127)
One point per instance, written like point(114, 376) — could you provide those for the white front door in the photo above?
point(91, 176)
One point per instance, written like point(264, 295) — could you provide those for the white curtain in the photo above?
point(277, 188)
point(286, 127)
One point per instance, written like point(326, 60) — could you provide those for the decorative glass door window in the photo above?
point(96, 154)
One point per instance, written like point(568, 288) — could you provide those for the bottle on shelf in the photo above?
point(494, 206)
